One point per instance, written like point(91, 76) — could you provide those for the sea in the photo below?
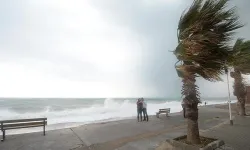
point(72, 112)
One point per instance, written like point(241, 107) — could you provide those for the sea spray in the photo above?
point(82, 110)
point(64, 113)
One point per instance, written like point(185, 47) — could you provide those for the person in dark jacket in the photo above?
point(139, 109)
point(184, 109)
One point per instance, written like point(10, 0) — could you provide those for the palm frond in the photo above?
point(240, 56)
point(188, 17)
point(204, 32)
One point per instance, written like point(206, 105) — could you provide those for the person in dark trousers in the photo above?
point(139, 109)
point(144, 110)
point(184, 109)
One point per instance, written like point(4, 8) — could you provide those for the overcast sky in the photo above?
point(95, 48)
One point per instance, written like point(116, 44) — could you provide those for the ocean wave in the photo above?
point(108, 109)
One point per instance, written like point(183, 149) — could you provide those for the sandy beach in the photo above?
point(119, 135)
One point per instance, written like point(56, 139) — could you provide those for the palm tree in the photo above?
point(240, 60)
point(204, 32)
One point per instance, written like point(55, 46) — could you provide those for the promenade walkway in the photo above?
point(236, 137)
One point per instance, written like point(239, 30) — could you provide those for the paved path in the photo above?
point(54, 140)
point(237, 136)
point(119, 135)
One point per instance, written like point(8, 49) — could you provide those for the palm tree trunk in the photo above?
point(193, 135)
point(239, 91)
point(242, 110)
point(191, 100)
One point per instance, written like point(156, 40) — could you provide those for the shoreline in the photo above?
point(67, 125)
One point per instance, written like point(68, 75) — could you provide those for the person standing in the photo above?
point(139, 109)
point(144, 110)
point(184, 109)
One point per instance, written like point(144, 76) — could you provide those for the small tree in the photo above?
point(204, 31)
point(239, 60)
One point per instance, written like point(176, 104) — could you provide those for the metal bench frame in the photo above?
point(161, 111)
point(22, 123)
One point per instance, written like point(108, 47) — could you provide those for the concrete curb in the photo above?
point(213, 145)
point(176, 145)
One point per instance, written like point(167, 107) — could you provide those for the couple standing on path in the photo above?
point(142, 108)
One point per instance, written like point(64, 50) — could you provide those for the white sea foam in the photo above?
point(110, 109)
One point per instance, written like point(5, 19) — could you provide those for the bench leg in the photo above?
point(166, 114)
point(157, 115)
point(44, 130)
point(44, 127)
point(3, 131)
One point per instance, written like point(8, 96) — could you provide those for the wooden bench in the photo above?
point(161, 111)
point(22, 123)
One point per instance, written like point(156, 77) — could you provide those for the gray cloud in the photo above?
point(34, 34)
point(157, 24)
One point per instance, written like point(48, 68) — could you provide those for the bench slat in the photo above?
point(23, 124)
point(164, 112)
point(22, 120)
point(165, 109)
point(23, 127)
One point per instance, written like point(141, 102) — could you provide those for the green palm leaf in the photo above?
point(204, 32)
point(240, 56)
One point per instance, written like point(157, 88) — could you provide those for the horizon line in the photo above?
point(101, 97)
